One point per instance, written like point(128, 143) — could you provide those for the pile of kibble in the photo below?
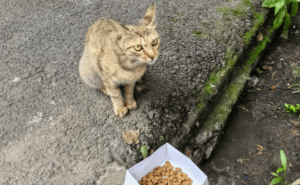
point(166, 175)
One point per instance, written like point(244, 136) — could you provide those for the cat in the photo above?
point(116, 55)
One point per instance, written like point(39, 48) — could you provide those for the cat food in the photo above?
point(166, 175)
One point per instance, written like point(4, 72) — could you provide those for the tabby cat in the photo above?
point(117, 55)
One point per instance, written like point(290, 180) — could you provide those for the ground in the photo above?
point(259, 119)
point(56, 130)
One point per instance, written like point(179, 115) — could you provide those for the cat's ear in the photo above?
point(119, 29)
point(149, 17)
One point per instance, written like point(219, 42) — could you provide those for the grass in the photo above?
point(197, 33)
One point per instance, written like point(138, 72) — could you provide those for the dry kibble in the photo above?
point(166, 175)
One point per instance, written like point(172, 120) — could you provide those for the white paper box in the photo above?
point(158, 158)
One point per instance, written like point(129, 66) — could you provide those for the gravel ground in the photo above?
point(56, 130)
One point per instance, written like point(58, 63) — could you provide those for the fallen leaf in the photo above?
point(264, 67)
point(289, 87)
point(131, 136)
point(273, 74)
point(188, 153)
point(259, 89)
point(294, 121)
point(260, 37)
point(260, 149)
point(295, 133)
point(296, 31)
point(240, 160)
point(151, 151)
point(291, 164)
point(273, 87)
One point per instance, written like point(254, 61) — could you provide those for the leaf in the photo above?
point(286, 105)
point(279, 170)
point(278, 6)
point(294, 9)
point(269, 3)
point(260, 37)
point(275, 174)
point(273, 87)
point(276, 180)
point(283, 159)
point(287, 21)
point(279, 19)
point(144, 151)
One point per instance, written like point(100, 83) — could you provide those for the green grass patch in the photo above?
point(197, 33)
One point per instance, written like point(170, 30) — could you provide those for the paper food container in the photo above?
point(158, 158)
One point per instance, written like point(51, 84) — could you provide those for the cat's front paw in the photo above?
point(131, 105)
point(121, 111)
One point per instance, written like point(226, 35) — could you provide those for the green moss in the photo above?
point(197, 33)
point(174, 20)
point(256, 23)
point(240, 11)
point(206, 24)
point(247, 3)
point(208, 91)
point(257, 50)
point(223, 10)
point(222, 110)
point(201, 105)
point(237, 12)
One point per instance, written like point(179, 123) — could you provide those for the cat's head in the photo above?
point(140, 43)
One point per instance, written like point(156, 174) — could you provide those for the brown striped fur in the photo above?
point(109, 58)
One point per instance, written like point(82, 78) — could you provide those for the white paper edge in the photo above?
point(134, 174)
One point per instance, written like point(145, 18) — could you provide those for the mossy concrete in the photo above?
point(204, 141)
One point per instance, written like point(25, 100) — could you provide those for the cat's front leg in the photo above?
point(116, 97)
point(130, 103)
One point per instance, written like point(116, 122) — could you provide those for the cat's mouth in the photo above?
point(152, 61)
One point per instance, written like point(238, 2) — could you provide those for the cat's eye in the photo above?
point(154, 42)
point(137, 47)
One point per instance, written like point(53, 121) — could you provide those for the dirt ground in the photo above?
point(259, 119)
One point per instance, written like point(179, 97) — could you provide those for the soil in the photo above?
point(259, 119)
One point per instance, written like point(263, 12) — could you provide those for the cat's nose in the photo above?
point(151, 56)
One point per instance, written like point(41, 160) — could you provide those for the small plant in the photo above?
point(161, 138)
point(278, 178)
point(259, 71)
point(281, 12)
point(297, 71)
point(289, 108)
point(144, 151)
point(296, 87)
